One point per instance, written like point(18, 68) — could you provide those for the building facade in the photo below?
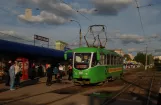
point(119, 51)
point(131, 56)
point(60, 45)
point(157, 57)
point(28, 14)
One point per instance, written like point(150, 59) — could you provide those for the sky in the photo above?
point(51, 19)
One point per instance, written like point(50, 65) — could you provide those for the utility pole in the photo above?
point(146, 59)
point(80, 33)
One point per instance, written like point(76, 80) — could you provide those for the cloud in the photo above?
point(156, 37)
point(88, 11)
point(107, 7)
point(13, 36)
point(56, 7)
point(57, 12)
point(52, 12)
point(134, 50)
point(8, 32)
point(131, 38)
point(157, 52)
point(45, 17)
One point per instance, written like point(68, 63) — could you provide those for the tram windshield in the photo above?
point(82, 60)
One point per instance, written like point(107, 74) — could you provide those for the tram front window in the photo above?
point(94, 61)
point(82, 60)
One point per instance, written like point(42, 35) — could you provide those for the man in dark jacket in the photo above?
point(7, 77)
point(70, 72)
point(49, 75)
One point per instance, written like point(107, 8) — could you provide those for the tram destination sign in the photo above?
point(37, 37)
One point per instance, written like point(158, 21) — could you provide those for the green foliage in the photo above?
point(127, 57)
point(141, 57)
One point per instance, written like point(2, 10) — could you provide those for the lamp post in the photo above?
point(146, 57)
point(80, 33)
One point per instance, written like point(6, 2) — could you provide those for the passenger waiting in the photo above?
point(17, 74)
point(12, 76)
point(49, 75)
point(61, 71)
point(56, 71)
point(70, 72)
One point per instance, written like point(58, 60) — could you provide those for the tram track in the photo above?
point(71, 90)
point(81, 89)
point(139, 86)
point(75, 90)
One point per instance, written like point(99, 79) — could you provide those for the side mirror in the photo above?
point(98, 56)
point(65, 56)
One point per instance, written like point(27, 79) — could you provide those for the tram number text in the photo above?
point(80, 72)
point(114, 69)
point(81, 66)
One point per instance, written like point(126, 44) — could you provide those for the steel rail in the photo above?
point(123, 90)
point(149, 94)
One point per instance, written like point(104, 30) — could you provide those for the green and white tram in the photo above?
point(95, 65)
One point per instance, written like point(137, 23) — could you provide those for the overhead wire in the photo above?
point(75, 10)
point(140, 17)
point(138, 8)
point(151, 4)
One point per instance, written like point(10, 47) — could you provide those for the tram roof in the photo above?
point(93, 49)
point(29, 49)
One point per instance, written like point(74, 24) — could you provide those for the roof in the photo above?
point(85, 49)
point(92, 49)
point(29, 49)
point(61, 42)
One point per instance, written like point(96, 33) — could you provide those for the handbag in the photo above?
point(20, 73)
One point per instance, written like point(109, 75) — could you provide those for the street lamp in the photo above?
point(80, 33)
point(146, 59)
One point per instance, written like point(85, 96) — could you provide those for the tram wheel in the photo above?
point(77, 84)
point(102, 83)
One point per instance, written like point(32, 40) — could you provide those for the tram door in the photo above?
point(24, 64)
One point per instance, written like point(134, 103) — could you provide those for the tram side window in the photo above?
point(121, 60)
point(118, 60)
point(94, 60)
point(108, 59)
point(115, 60)
point(102, 59)
point(105, 59)
point(112, 59)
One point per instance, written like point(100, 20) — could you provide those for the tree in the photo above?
point(141, 57)
point(127, 57)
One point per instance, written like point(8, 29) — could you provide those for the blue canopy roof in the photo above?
point(29, 49)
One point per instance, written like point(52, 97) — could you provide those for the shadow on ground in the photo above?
point(9, 101)
point(29, 82)
point(3, 90)
point(20, 103)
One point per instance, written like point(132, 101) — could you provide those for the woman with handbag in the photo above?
point(17, 74)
